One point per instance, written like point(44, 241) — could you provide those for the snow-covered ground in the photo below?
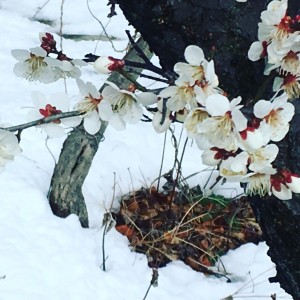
point(43, 257)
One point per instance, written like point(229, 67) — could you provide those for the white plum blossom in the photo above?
point(274, 24)
point(209, 85)
point(257, 50)
point(262, 158)
point(283, 55)
point(284, 183)
point(268, 29)
point(68, 68)
point(277, 115)
point(181, 96)
point(119, 107)
point(290, 63)
point(43, 107)
point(210, 158)
point(162, 118)
point(259, 183)
point(90, 98)
point(225, 122)
point(194, 69)
point(234, 168)
point(278, 40)
point(214, 155)
point(193, 119)
point(34, 65)
point(276, 10)
point(197, 73)
point(290, 84)
point(192, 125)
point(255, 137)
point(9, 147)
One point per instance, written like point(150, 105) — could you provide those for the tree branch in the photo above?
point(44, 120)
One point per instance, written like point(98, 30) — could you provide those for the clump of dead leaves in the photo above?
point(191, 228)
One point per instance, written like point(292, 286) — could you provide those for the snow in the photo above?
point(46, 257)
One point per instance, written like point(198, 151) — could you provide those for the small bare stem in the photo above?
point(153, 281)
point(152, 78)
point(162, 161)
point(179, 169)
point(147, 66)
point(43, 120)
point(103, 27)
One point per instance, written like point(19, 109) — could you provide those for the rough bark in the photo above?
point(65, 195)
point(69, 174)
point(225, 30)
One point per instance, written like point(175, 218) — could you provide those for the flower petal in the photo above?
point(105, 110)
point(53, 130)
point(146, 98)
point(262, 108)
point(217, 105)
point(194, 55)
point(20, 54)
point(295, 184)
point(117, 123)
point(38, 51)
point(240, 121)
point(157, 123)
point(91, 122)
point(284, 194)
point(255, 51)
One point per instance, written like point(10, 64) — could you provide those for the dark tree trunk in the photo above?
point(76, 157)
point(225, 29)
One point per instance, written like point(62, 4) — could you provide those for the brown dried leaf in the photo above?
point(125, 230)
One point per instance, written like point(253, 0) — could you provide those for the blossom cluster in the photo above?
point(38, 64)
point(241, 146)
point(114, 105)
point(279, 44)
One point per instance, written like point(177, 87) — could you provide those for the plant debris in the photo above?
point(171, 226)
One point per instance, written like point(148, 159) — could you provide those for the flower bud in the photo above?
point(107, 64)
point(48, 42)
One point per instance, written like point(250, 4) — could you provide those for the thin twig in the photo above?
point(162, 160)
point(103, 27)
point(147, 66)
point(246, 285)
point(61, 24)
point(40, 8)
point(43, 120)
point(103, 247)
point(150, 77)
point(179, 167)
point(187, 212)
point(153, 281)
point(139, 51)
point(61, 37)
point(107, 224)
